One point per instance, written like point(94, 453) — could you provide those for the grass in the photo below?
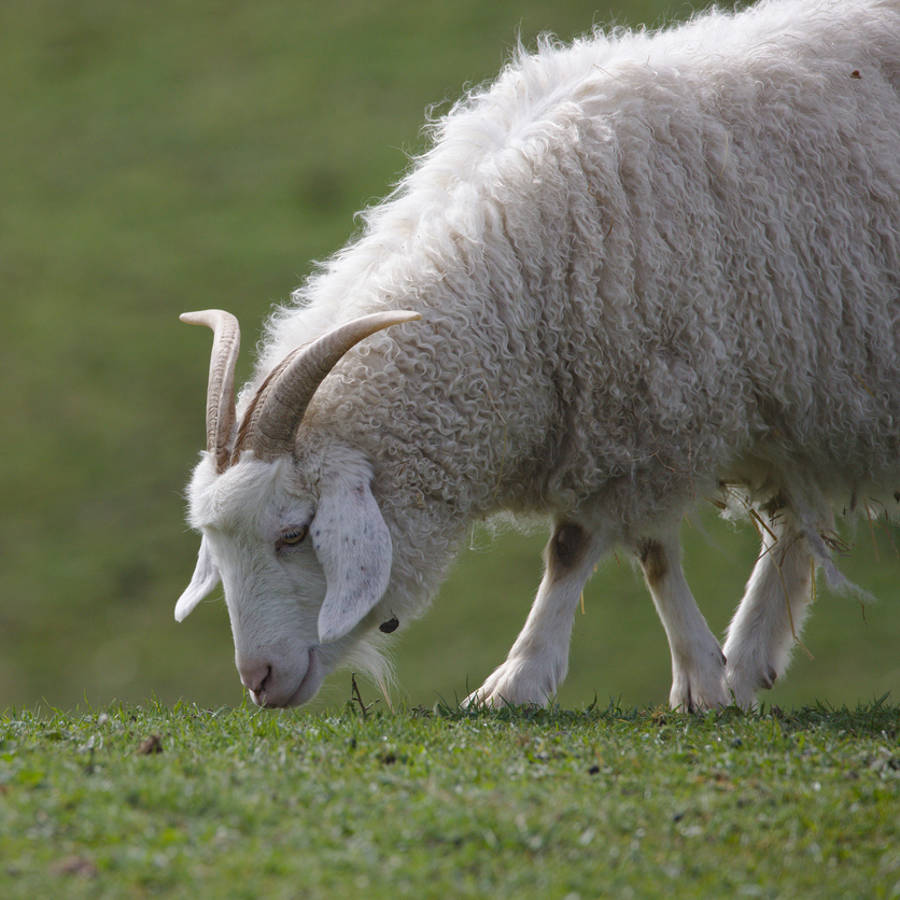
point(184, 801)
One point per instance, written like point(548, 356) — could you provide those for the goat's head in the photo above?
point(289, 524)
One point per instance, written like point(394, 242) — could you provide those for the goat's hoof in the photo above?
point(510, 684)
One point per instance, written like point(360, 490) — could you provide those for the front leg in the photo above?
point(698, 666)
point(539, 659)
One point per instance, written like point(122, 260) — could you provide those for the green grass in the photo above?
point(170, 156)
point(439, 803)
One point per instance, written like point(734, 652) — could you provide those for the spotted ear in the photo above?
point(354, 548)
point(206, 577)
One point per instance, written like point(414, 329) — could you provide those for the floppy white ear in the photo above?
point(354, 548)
point(206, 577)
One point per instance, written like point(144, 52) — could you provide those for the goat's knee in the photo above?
point(566, 549)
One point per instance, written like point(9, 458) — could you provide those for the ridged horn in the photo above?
point(272, 419)
point(220, 415)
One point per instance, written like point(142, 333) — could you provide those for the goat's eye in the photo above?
point(292, 536)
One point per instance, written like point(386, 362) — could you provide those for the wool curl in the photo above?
point(648, 264)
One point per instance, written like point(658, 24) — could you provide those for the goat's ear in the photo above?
point(354, 548)
point(206, 577)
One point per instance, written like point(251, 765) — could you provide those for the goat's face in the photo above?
point(288, 521)
point(304, 555)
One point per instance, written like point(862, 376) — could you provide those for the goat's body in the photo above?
point(648, 265)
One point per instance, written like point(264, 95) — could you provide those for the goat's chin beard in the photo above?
point(362, 656)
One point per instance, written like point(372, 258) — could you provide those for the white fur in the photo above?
point(650, 267)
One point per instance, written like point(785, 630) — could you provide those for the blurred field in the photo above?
point(171, 156)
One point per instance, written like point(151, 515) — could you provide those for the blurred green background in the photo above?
point(171, 156)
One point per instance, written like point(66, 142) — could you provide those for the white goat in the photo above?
point(649, 267)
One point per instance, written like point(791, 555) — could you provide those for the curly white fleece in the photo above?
point(648, 263)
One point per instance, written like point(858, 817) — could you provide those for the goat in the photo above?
point(634, 271)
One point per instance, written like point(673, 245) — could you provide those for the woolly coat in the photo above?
point(648, 264)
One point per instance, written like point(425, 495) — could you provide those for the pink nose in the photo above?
point(254, 675)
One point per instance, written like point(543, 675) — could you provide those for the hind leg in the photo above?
point(698, 667)
point(539, 659)
point(771, 614)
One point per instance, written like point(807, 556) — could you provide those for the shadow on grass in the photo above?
point(876, 717)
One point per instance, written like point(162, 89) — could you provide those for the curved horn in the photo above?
point(220, 392)
point(277, 410)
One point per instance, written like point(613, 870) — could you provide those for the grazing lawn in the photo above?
point(187, 802)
